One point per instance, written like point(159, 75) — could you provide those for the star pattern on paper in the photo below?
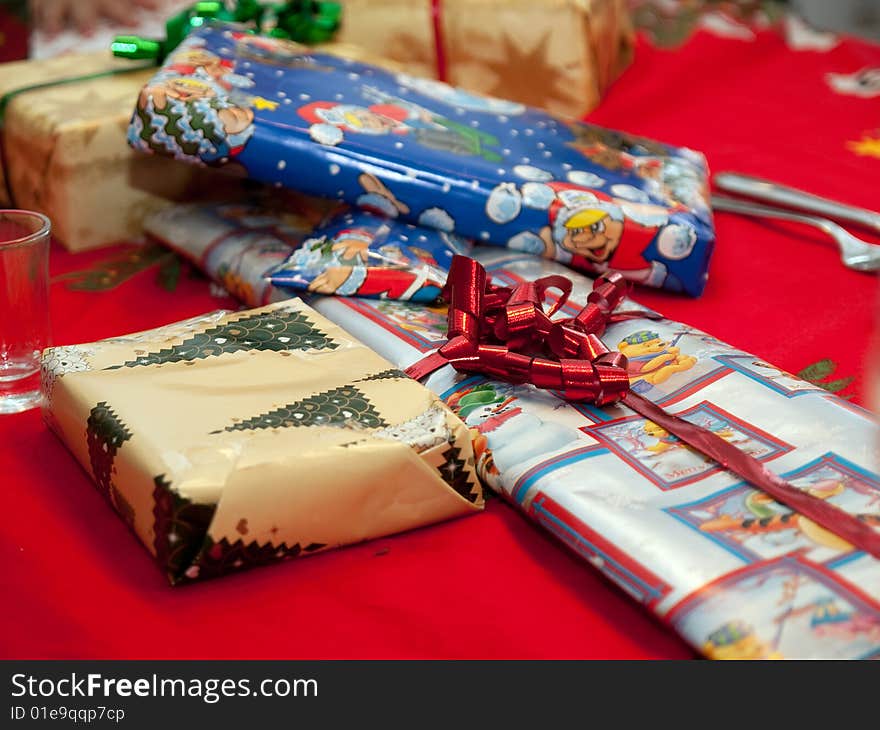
point(867, 146)
point(538, 80)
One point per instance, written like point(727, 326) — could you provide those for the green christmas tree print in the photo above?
point(276, 331)
point(221, 557)
point(105, 434)
point(455, 473)
point(180, 528)
point(390, 374)
point(344, 406)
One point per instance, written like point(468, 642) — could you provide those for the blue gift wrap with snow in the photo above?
point(432, 155)
point(357, 253)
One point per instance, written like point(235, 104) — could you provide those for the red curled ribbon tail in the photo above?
point(505, 333)
point(820, 511)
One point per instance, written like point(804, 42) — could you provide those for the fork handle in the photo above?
point(756, 187)
point(746, 207)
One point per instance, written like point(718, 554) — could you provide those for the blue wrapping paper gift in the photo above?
point(357, 253)
point(487, 169)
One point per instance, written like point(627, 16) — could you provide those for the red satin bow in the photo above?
point(505, 333)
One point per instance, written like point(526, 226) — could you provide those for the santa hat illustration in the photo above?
point(575, 207)
point(354, 235)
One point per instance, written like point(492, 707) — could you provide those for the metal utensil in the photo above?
point(854, 252)
point(755, 187)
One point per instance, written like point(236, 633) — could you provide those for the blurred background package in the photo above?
point(65, 153)
point(560, 55)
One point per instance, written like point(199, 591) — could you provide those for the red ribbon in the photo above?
point(439, 47)
point(505, 333)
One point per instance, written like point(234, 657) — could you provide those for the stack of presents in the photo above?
point(363, 390)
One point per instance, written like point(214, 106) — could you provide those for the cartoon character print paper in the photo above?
point(238, 243)
point(735, 573)
point(357, 253)
point(489, 170)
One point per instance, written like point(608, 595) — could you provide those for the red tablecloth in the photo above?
point(76, 583)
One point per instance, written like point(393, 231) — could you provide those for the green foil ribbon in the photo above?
point(302, 21)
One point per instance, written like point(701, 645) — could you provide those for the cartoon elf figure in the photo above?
point(417, 285)
point(433, 130)
point(328, 122)
point(596, 232)
point(355, 269)
point(376, 119)
point(187, 61)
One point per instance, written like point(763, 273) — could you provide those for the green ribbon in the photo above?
point(303, 21)
point(10, 95)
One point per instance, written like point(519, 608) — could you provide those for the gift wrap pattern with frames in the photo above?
point(494, 171)
point(735, 573)
point(240, 439)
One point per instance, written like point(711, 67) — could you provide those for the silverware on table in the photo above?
point(765, 190)
point(854, 252)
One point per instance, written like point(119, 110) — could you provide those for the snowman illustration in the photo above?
point(507, 436)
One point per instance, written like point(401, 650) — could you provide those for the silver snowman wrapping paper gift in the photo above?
point(735, 573)
point(732, 571)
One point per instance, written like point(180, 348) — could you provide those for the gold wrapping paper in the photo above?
point(557, 54)
point(66, 154)
point(238, 439)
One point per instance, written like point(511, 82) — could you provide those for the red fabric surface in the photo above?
point(77, 584)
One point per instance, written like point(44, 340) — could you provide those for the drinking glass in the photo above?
point(24, 306)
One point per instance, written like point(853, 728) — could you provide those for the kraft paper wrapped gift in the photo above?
point(234, 440)
point(557, 54)
point(66, 154)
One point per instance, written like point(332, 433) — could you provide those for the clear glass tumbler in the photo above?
point(24, 306)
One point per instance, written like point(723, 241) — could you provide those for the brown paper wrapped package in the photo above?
point(557, 54)
point(240, 439)
point(66, 153)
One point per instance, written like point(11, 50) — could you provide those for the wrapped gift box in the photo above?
point(66, 156)
point(737, 574)
point(557, 54)
point(234, 440)
point(703, 550)
point(239, 242)
point(350, 253)
point(487, 169)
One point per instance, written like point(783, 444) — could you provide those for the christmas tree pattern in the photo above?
point(276, 331)
point(180, 528)
point(390, 374)
point(219, 558)
point(459, 140)
point(168, 124)
point(455, 472)
point(105, 434)
point(344, 406)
